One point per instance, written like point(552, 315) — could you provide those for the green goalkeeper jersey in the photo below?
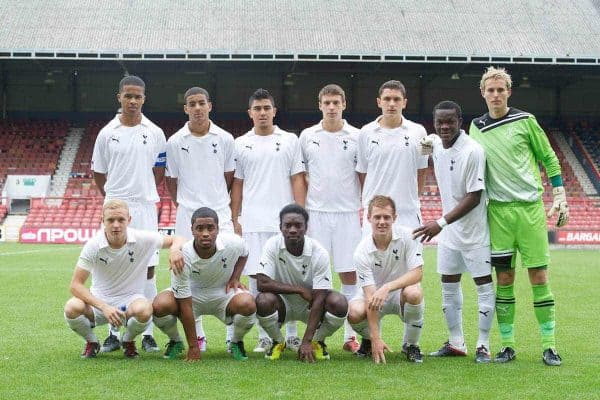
point(514, 145)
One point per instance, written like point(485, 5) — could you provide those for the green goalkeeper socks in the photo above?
point(505, 313)
point(543, 304)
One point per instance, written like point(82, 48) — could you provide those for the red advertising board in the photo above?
point(578, 237)
point(57, 235)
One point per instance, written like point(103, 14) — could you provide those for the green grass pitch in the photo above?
point(39, 354)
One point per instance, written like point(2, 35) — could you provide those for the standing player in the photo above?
point(464, 241)
point(200, 165)
point(294, 280)
point(514, 144)
point(389, 159)
point(209, 284)
point(333, 198)
point(389, 265)
point(269, 174)
point(117, 258)
point(128, 164)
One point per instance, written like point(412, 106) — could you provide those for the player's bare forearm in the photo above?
point(421, 174)
point(228, 179)
point(372, 315)
point(361, 179)
point(100, 181)
point(186, 316)
point(266, 284)
point(412, 277)
point(238, 268)
point(159, 175)
point(299, 188)
point(172, 188)
point(317, 309)
point(237, 187)
point(464, 206)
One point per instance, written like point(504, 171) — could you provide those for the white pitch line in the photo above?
point(16, 253)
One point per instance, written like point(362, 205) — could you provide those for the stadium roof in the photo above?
point(506, 31)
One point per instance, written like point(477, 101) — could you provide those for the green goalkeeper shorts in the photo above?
point(519, 226)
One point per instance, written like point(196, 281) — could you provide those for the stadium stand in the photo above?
point(30, 147)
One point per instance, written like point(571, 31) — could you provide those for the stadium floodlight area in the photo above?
point(564, 32)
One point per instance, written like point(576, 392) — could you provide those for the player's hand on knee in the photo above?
point(193, 354)
point(426, 145)
point(113, 315)
point(560, 206)
point(306, 352)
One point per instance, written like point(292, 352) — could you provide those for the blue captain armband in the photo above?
point(161, 160)
point(556, 181)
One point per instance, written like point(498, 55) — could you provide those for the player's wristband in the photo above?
point(556, 181)
point(442, 222)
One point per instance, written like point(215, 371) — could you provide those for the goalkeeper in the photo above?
point(514, 145)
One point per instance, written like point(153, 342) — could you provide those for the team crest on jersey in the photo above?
point(145, 138)
point(131, 259)
point(214, 146)
point(277, 146)
point(345, 142)
point(406, 140)
point(304, 266)
point(224, 261)
point(452, 162)
point(396, 256)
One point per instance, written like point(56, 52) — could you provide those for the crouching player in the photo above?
point(117, 258)
point(208, 285)
point(295, 284)
point(389, 265)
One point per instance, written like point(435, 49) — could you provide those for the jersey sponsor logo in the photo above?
point(375, 142)
point(214, 146)
point(282, 260)
point(248, 146)
point(115, 139)
point(315, 142)
point(378, 264)
point(104, 260)
point(262, 264)
point(186, 149)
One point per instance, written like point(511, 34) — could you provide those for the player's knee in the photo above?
point(266, 304)
point(538, 275)
point(412, 294)
point(356, 311)
point(74, 307)
point(164, 304)
point(244, 304)
point(141, 309)
point(336, 304)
